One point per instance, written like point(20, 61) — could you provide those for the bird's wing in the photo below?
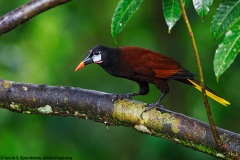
point(162, 66)
point(153, 64)
point(156, 65)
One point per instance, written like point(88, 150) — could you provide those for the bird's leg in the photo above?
point(165, 90)
point(156, 104)
point(144, 89)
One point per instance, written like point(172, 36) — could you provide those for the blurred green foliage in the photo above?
point(47, 49)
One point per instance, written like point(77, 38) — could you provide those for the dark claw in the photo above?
point(159, 108)
point(115, 97)
point(124, 96)
point(121, 96)
point(141, 115)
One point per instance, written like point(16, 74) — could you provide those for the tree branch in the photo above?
point(102, 107)
point(26, 12)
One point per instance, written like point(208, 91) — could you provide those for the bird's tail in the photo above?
point(209, 92)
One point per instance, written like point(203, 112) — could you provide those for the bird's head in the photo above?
point(102, 55)
point(98, 54)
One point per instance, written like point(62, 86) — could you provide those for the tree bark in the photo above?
point(105, 108)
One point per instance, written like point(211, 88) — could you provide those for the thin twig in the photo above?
point(207, 106)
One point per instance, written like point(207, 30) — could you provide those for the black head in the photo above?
point(101, 55)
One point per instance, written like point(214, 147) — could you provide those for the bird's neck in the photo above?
point(112, 61)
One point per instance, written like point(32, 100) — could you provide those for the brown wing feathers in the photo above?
point(151, 63)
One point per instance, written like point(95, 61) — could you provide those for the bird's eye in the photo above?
point(96, 53)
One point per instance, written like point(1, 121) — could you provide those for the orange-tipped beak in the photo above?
point(81, 65)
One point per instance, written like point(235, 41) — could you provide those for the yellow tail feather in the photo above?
point(210, 94)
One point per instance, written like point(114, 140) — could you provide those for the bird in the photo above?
point(144, 66)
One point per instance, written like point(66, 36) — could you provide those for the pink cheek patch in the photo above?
point(99, 62)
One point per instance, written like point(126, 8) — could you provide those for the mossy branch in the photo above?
point(104, 108)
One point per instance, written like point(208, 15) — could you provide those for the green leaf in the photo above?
point(124, 10)
point(227, 51)
point(172, 11)
point(202, 6)
point(226, 16)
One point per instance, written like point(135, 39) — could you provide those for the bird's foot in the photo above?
point(150, 107)
point(122, 96)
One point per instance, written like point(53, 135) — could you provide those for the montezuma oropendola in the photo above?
point(143, 66)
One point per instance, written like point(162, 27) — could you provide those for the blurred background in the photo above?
point(47, 49)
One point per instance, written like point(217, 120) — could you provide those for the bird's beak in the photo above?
point(85, 62)
point(81, 65)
